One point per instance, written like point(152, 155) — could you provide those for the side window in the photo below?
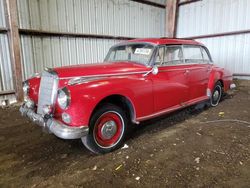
point(173, 55)
point(192, 54)
point(169, 55)
point(206, 58)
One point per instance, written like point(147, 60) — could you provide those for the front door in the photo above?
point(170, 85)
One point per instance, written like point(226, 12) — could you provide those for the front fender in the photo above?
point(85, 97)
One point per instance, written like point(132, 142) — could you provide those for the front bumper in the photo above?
point(53, 126)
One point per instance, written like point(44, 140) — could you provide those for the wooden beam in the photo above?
point(187, 2)
point(3, 30)
point(171, 17)
point(7, 92)
point(220, 34)
point(15, 49)
point(241, 74)
point(154, 4)
point(68, 34)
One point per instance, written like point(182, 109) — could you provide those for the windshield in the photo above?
point(140, 53)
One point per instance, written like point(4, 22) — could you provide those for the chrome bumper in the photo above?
point(53, 126)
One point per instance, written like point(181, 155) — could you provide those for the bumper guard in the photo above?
point(53, 126)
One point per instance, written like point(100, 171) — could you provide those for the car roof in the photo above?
point(162, 41)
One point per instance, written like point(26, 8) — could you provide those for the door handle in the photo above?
point(209, 69)
point(186, 71)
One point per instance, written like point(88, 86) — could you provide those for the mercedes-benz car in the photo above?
point(139, 79)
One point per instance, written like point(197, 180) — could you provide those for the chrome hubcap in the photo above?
point(216, 95)
point(108, 129)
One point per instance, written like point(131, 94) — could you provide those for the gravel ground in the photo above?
point(194, 147)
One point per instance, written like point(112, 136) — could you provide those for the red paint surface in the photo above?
point(172, 88)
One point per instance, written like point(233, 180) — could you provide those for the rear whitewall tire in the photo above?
point(216, 94)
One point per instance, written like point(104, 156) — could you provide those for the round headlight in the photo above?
point(63, 98)
point(26, 88)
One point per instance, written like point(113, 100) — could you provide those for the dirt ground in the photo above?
point(188, 148)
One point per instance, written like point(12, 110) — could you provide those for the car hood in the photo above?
point(100, 69)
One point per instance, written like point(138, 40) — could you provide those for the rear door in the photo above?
point(198, 71)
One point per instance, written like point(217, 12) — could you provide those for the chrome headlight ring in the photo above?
point(63, 98)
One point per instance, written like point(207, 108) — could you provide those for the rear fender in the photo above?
point(214, 77)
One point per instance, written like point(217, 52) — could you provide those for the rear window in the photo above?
point(205, 55)
point(192, 53)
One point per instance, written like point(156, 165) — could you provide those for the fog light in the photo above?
point(47, 109)
point(66, 117)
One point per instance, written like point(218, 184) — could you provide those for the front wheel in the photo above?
point(108, 127)
point(216, 94)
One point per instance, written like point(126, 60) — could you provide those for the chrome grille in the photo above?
point(47, 90)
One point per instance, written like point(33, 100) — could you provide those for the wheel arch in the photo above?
point(122, 101)
point(221, 81)
point(215, 77)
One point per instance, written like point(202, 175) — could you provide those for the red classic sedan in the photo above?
point(138, 80)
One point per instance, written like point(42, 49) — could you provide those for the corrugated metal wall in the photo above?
point(105, 17)
point(219, 16)
point(2, 16)
point(6, 81)
point(40, 52)
point(120, 17)
point(231, 52)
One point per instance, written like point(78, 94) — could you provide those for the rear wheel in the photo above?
point(108, 127)
point(216, 94)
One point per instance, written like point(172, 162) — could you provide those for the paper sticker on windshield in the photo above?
point(142, 51)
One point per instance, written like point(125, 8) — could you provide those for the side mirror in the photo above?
point(155, 70)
